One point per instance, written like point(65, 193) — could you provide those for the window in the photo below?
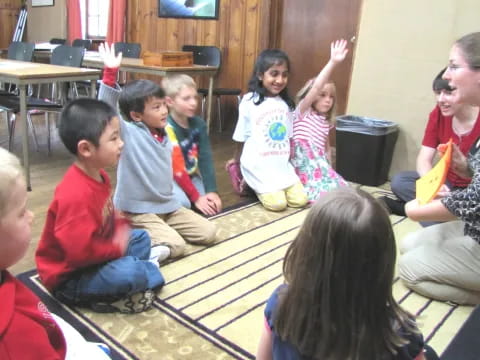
point(94, 18)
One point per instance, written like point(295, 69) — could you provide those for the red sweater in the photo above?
point(80, 225)
point(439, 130)
point(27, 330)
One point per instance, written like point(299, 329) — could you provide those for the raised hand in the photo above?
point(107, 53)
point(338, 50)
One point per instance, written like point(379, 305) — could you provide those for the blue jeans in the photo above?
point(114, 279)
point(180, 195)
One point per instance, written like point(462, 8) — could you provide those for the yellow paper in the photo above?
point(429, 184)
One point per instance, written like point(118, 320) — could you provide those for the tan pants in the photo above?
point(174, 229)
point(442, 263)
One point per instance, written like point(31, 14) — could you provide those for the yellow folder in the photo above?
point(429, 184)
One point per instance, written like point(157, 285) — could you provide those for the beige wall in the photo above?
point(401, 46)
point(46, 22)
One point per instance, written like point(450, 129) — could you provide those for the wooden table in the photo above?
point(92, 59)
point(23, 74)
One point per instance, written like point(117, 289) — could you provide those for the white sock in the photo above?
point(159, 253)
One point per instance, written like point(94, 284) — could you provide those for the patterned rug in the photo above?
point(212, 305)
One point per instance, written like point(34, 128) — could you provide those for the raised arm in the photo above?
point(338, 52)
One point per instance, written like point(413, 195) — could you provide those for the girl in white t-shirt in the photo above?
point(265, 127)
point(314, 118)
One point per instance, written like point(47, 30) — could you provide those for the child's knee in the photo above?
point(296, 195)
point(210, 233)
point(273, 201)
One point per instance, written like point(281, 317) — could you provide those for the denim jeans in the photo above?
point(114, 279)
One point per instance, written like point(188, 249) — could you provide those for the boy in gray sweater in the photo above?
point(144, 190)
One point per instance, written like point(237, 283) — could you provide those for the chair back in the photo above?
point(66, 55)
point(128, 50)
point(85, 43)
point(58, 41)
point(22, 51)
point(204, 55)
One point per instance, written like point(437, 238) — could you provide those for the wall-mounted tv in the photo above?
point(189, 9)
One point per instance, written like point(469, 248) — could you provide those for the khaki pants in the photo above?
point(442, 263)
point(174, 229)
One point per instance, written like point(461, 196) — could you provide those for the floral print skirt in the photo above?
point(313, 169)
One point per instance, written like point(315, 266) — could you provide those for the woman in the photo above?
point(443, 261)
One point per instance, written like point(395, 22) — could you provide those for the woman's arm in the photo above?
point(432, 211)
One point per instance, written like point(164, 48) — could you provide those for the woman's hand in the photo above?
point(338, 51)
point(107, 53)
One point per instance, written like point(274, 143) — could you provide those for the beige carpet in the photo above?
point(212, 305)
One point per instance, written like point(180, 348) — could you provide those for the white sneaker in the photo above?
point(159, 253)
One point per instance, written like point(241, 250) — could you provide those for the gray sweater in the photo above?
point(144, 173)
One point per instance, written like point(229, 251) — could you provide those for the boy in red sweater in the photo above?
point(88, 255)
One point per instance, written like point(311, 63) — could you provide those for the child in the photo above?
point(145, 181)
point(193, 168)
point(265, 126)
point(311, 154)
point(337, 302)
point(27, 329)
point(460, 122)
point(87, 255)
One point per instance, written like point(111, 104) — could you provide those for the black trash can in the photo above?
point(365, 148)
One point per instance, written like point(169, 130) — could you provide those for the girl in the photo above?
point(265, 126)
point(443, 261)
point(311, 154)
point(337, 302)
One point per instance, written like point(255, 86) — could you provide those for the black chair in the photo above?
point(58, 41)
point(129, 50)
point(22, 51)
point(85, 43)
point(211, 56)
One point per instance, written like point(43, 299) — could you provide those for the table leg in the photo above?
point(23, 120)
point(209, 103)
point(93, 89)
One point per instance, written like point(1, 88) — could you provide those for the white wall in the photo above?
point(401, 47)
point(46, 22)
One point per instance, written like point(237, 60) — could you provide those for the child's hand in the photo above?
point(205, 206)
point(442, 192)
point(121, 236)
point(107, 53)
point(215, 201)
point(338, 51)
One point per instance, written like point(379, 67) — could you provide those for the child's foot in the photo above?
point(395, 206)
point(159, 253)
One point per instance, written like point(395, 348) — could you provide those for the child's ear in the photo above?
point(136, 116)
point(85, 148)
point(169, 101)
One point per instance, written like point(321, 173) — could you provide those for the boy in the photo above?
point(193, 168)
point(144, 189)
point(24, 317)
point(87, 255)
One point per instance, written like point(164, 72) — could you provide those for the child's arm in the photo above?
point(111, 63)
point(338, 52)
point(264, 351)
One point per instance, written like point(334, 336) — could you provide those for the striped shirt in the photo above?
point(311, 126)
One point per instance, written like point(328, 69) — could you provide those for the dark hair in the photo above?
point(265, 61)
point(84, 119)
point(439, 83)
point(470, 46)
point(339, 271)
point(135, 94)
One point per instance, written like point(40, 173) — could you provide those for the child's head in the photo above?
point(144, 101)
point(443, 95)
point(181, 91)
point(90, 129)
point(270, 76)
point(339, 271)
point(327, 99)
point(15, 218)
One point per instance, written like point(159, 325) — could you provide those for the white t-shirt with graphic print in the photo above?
point(265, 130)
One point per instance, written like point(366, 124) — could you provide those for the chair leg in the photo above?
point(12, 121)
point(47, 124)
point(32, 129)
point(219, 113)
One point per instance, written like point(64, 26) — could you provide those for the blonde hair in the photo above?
point(330, 115)
point(10, 172)
point(172, 84)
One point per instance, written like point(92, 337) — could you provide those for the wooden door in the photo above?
point(9, 10)
point(304, 29)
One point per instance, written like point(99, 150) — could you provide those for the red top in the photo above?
point(439, 130)
point(27, 330)
point(81, 223)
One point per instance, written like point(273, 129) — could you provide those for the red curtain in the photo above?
point(116, 21)
point(74, 20)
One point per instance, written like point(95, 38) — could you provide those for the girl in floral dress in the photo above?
point(314, 117)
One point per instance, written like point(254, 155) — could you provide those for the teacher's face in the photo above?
point(462, 78)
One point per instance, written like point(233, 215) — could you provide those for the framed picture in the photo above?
point(189, 9)
point(42, 3)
